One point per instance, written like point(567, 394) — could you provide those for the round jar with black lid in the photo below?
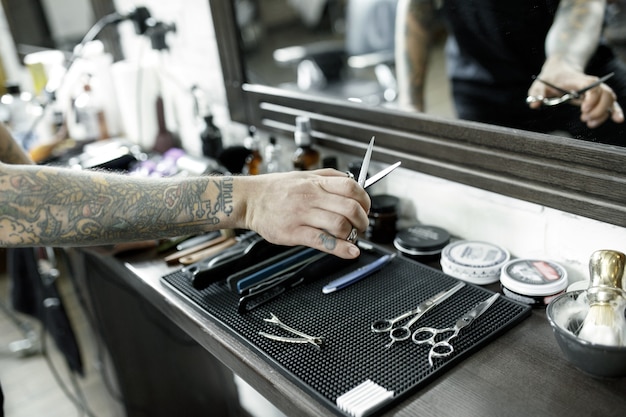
point(422, 242)
point(383, 217)
point(473, 261)
point(533, 281)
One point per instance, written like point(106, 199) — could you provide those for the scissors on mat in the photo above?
point(567, 94)
point(366, 182)
point(404, 332)
point(443, 348)
point(300, 337)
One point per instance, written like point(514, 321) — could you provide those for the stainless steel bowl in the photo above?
point(593, 359)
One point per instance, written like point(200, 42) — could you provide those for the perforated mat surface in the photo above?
point(351, 352)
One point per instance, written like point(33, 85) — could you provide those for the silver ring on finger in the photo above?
point(353, 235)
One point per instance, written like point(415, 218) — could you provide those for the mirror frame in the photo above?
point(578, 177)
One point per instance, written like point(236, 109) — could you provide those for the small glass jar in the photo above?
point(383, 217)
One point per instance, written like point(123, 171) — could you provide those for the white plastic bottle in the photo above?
point(88, 122)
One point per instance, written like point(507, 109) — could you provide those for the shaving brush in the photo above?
point(604, 323)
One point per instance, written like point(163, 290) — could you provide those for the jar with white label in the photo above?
point(533, 281)
point(473, 261)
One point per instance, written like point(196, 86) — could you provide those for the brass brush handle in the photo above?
point(606, 270)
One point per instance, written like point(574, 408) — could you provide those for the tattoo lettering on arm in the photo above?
point(224, 202)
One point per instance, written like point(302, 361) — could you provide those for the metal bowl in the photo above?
point(593, 359)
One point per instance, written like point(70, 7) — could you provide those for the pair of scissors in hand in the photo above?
point(404, 332)
point(366, 182)
point(443, 348)
point(567, 94)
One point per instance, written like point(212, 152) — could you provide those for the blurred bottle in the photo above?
point(305, 157)
point(210, 134)
point(254, 161)
point(89, 122)
point(330, 162)
point(20, 114)
point(211, 137)
point(273, 154)
point(165, 139)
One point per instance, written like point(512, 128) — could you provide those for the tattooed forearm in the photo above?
point(56, 207)
point(414, 37)
point(576, 30)
point(10, 151)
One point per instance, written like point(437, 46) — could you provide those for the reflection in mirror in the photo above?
point(574, 176)
point(48, 24)
point(336, 48)
point(38, 25)
point(492, 62)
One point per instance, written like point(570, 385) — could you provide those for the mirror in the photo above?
point(344, 49)
point(339, 48)
point(574, 176)
point(37, 25)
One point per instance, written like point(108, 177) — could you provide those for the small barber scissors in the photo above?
point(567, 94)
point(443, 348)
point(404, 332)
point(366, 182)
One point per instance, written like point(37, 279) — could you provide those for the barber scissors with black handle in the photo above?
point(367, 182)
point(568, 95)
point(443, 347)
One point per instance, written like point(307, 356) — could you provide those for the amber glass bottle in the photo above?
point(306, 157)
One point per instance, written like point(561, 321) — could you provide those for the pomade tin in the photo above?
point(422, 242)
point(473, 261)
point(533, 281)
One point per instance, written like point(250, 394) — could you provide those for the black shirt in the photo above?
point(494, 49)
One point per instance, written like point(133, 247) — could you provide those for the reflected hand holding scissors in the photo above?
point(442, 348)
point(567, 95)
point(597, 101)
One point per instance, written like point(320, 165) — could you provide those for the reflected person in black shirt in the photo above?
point(495, 49)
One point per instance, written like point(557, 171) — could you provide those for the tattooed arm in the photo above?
point(414, 27)
point(48, 206)
point(571, 41)
point(10, 151)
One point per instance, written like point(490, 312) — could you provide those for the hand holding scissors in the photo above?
point(443, 348)
point(366, 182)
point(404, 332)
point(567, 95)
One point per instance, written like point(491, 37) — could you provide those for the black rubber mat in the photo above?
point(351, 352)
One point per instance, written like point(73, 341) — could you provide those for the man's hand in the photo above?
point(313, 208)
point(596, 105)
